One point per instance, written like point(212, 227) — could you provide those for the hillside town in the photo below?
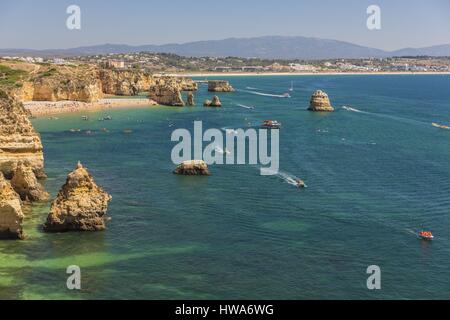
point(175, 64)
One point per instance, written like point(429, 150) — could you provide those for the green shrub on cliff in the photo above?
point(9, 77)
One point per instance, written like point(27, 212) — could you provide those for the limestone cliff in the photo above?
point(19, 142)
point(320, 102)
point(125, 83)
point(81, 205)
point(11, 215)
point(187, 84)
point(67, 87)
point(26, 185)
point(166, 93)
point(219, 86)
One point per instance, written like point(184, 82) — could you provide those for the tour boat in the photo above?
point(426, 235)
point(286, 95)
point(301, 184)
point(271, 124)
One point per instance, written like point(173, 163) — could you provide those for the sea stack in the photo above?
point(320, 102)
point(81, 205)
point(11, 215)
point(167, 94)
point(190, 99)
point(27, 186)
point(192, 168)
point(219, 86)
point(214, 103)
point(19, 142)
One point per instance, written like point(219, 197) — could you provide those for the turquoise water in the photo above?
point(375, 178)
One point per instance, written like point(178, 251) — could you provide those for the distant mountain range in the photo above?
point(271, 47)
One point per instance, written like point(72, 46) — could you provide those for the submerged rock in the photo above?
point(19, 142)
point(219, 86)
point(81, 205)
point(320, 102)
point(192, 168)
point(214, 103)
point(27, 186)
point(11, 214)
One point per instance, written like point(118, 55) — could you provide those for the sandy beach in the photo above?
point(44, 108)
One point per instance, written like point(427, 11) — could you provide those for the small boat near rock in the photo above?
point(271, 124)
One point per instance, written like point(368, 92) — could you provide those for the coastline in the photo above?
point(262, 74)
point(45, 108)
point(49, 108)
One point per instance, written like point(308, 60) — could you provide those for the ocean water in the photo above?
point(377, 174)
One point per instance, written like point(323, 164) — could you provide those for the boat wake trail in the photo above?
point(285, 176)
point(265, 94)
point(353, 109)
point(221, 151)
point(229, 131)
point(244, 106)
point(350, 109)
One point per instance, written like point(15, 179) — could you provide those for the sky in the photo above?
point(41, 24)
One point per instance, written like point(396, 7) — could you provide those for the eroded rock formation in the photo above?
point(192, 168)
point(86, 88)
point(215, 102)
point(19, 142)
point(125, 83)
point(11, 215)
point(167, 93)
point(190, 99)
point(27, 186)
point(81, 205)
point(320, 102)
point(219, 86)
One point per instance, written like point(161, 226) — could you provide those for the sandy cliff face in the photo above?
point(19, 142)
point(125, 83)
point(89, 83)
point(26, 185)
point(88, 89)
point(166, 93)
point(186, 84)
point(11, 215)
point(25, 92)
point(167, 90)
point(81, 205)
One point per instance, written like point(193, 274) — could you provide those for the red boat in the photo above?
point(426, 235)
